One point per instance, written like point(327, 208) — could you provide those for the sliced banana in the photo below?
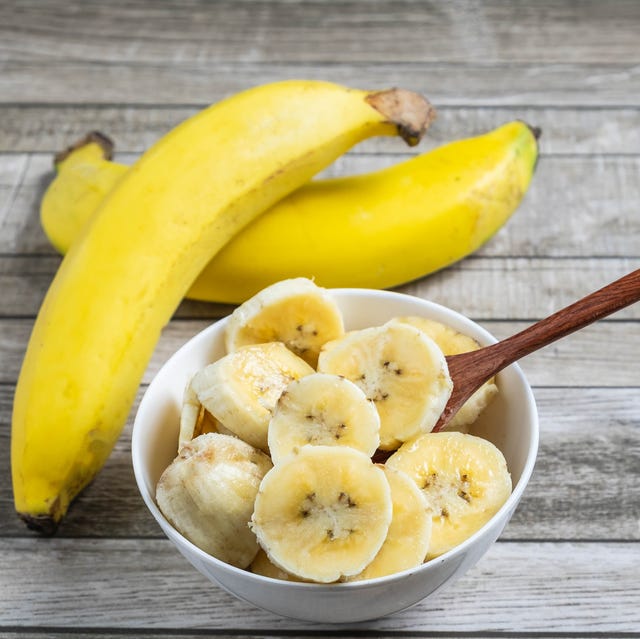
point(323, 513)
point(241, 389)
point(262, 565)
point(323, 409)
point(296, 312)
point(401, 369)
point(195, 419)
point(409, 534)
point(464, 478)
point(207, 494)
point(453, 342)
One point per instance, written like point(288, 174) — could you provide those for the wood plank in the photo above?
point(471, 84)
point(581, 359)
point(584, 486)
point(595, 590)
point(330, 32)
point(556, 218)
point(575, 131)
point(483, 288)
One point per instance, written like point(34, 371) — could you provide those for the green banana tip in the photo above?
point(93, 137)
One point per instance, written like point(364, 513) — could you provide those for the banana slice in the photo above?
point(262, 565)
point(464, 479)
point(207, 494)
point(409, 534)
point(195, 419)
point(241, 389)
point(401, 370)
point(452, 342)
point(296, 312)
point(323, 409)
point(323, 513)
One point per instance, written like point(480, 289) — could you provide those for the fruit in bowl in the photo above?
point(310, 510)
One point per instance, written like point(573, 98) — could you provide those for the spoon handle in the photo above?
point(470, 370)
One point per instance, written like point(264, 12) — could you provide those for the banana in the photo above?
point(323, 513)
point(195, 419)
point(322, 409)
point(404, 547)
point(398, 367)
point(207, 494)
point(262, 565)
point(452, 342)
point(375, 230)
point(296, 312)
point(241, 389)
point(409, 535)
point(122, 279)
point(465, 481)
point(85, 175)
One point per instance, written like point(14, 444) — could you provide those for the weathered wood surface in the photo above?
point(567, 563)
point(565, 130)
point(561, 582)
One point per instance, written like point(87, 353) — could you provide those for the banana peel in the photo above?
point(376, 230)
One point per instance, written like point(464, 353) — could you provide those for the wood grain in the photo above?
point(398, 31)
point(561, 84)
point(567, 564)
point(483, 288)
point(38, 128)
point(594, 589)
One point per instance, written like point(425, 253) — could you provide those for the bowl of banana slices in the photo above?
point(287, 451)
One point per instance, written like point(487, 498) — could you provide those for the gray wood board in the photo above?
point(595, 589)
point(565, 130)
point(385, 31)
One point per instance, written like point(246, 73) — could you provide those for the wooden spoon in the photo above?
point(470, 370)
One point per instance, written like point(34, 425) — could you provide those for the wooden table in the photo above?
point(568, 564)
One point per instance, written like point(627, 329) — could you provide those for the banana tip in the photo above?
point(536, 131)
point(44, 524)
point(93, 137)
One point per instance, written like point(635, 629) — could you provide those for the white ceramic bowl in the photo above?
point(510, 422)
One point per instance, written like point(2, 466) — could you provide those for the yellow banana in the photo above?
point(151, 236)
point(376, 230)
point(85, 175)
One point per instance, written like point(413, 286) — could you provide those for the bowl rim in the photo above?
point(502, 515)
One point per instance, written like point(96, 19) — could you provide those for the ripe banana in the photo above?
point(409, 535)
point(296, 312)
point(323, 513)
point(85, 176)
point(241, 389)
point(207, 494)
point(375, 230)
point(323, 409)
point(262, 565)
point(151, 236)
point(195, 419)
point(465, 481)
point(402, 370)
point(451, 342)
